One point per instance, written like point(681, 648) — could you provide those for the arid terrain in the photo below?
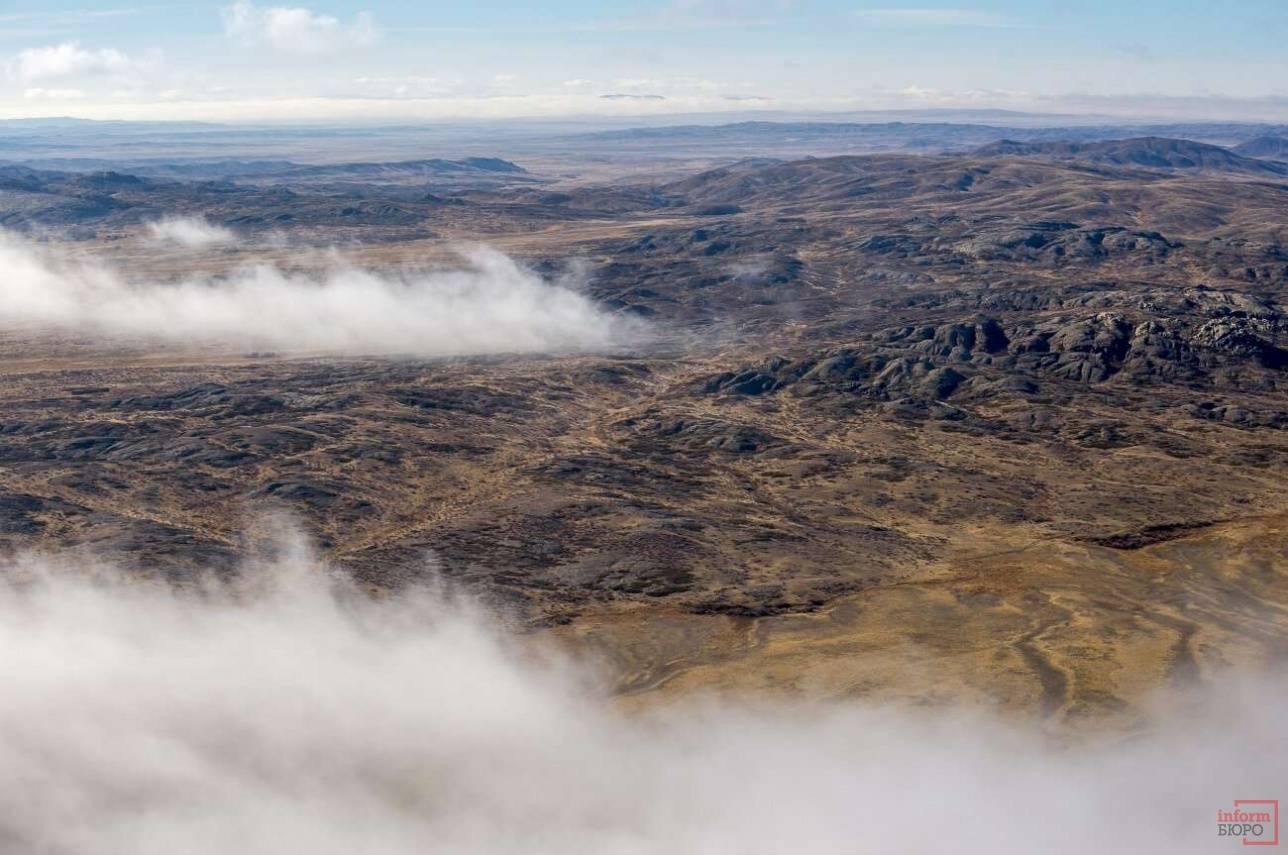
point(987, 414)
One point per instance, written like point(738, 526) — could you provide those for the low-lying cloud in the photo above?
point(190, 232)
point(489, 305)
point(287, 712)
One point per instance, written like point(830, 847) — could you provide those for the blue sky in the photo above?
point(384, 59)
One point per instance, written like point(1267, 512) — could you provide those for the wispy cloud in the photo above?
point(297, 30)
point(937, 17)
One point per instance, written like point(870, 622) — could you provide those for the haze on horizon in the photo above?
point(243, 60)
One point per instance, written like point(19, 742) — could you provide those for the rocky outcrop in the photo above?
point(1232, 347)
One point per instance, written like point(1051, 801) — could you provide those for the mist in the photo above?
point(287, 712)
point(190, 232)
point(489, 304)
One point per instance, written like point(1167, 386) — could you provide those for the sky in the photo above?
point(395, 59)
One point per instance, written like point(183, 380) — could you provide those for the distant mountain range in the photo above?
point(912, 136)
point(193, 149)
point(1148, 152)
point(226, 169)
point(1270, 146)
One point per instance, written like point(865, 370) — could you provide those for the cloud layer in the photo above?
point(288, 713)
point(490, 305)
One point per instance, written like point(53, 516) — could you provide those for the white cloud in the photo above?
point(288, 712)
point(296, 29)
point(69, 59)
point(191, 232)
point(490, 305)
